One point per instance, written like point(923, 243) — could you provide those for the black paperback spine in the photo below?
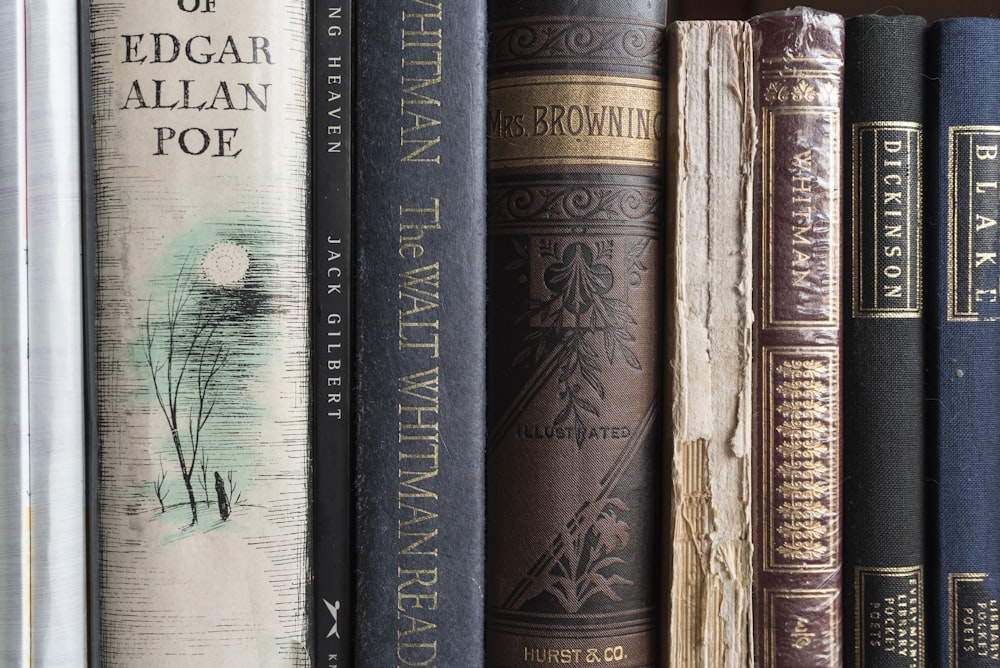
point(420, 333)
point(884, 397)
point(332, 192)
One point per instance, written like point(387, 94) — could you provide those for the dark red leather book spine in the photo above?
point(798, 80)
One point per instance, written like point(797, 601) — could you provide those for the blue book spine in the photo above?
point(964, 198)
point(420, 333)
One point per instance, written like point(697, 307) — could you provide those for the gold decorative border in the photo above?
point(859, 603)
point(829, 356)
point(529, 150)
point(913, 218)
point(954, 131)
point(954, 579)
point(828, 598)
point(832, 309)
point(590, 41)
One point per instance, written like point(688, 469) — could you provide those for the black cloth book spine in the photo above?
point(884, 397)
point(420, 333)
point(331, 308)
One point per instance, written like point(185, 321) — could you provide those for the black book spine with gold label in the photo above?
point(575, 236)
point(884, 398)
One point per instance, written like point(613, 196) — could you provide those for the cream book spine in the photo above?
point(710, 148)
point(201, 331)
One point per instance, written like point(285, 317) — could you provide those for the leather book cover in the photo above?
point(798, 326)
point(420, 341)
point(575, 236)
point(332, 207)
point(884, 399)
point(711, 143)
point(963, 206)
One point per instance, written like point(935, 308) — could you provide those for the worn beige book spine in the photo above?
point(710, 146)
point(201, 332)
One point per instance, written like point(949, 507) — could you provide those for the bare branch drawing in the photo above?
point(184, 358)
point(235, 496)
point(203, 467)
point(161, 494)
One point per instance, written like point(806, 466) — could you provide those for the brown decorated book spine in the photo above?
point(574, 363)
point(798, 81)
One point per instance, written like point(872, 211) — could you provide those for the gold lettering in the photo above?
point(984, 257)
point(982, 222)
point(803, 160)
point(986, 152)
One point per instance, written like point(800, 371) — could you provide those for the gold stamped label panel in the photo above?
point(800, 204)
point(889, 617)
point(886, 220)
point(575, 120)
point(973, 234)
point(801, 627)
point(973, 621)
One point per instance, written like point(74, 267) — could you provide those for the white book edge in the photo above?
point(14, 500)
point(55, 336)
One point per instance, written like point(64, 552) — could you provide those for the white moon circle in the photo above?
point(226, 264)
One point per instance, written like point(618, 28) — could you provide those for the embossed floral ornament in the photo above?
point(805, 488)
point(580, 323)
point(803, 91)
point(775, 91)
point(578, 280)
point(582, 558)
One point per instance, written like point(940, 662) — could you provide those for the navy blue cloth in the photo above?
point(964, 71)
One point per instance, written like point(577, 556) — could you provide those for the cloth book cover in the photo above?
point(576, 234)
point(420, 333)
point(964, 335)
point(884, 354)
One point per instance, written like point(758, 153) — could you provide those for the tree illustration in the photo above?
point(185, 357)
point(161, 494)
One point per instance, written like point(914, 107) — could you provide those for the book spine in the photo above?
point(55, 332)
point(799, 68)
point(420, 333)
point(332, 207)
point(15, 638)
point(710, 200)
point(575, 238)
point(201, 331)
point(884, 399)
point(963, 200)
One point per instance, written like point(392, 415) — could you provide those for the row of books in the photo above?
point(830, 492)
point(728, 402)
